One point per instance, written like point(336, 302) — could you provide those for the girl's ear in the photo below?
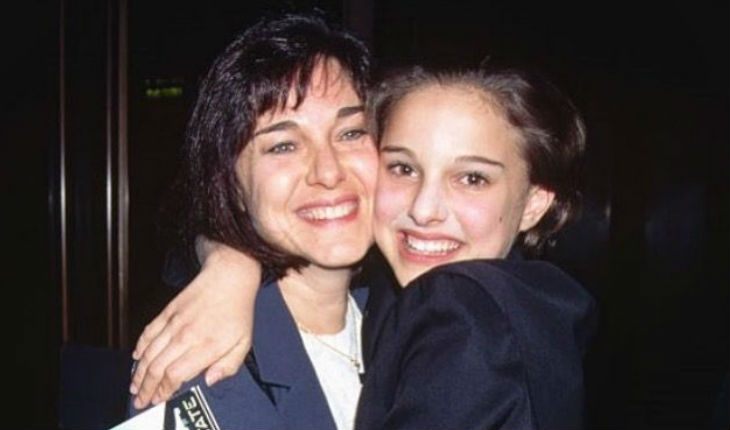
point(538, 202)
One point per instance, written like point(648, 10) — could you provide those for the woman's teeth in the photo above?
point(327, 213)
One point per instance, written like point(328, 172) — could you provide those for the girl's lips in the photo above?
point(429, 248)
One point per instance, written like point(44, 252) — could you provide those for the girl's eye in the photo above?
point(354, 134)
point(401, 169)
point(474, 179)
point(281, 148)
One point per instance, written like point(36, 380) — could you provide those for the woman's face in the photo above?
point(452, 184)
point(308, 174)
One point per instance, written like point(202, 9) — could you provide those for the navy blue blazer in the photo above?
point(488, 344)
point(277, 388)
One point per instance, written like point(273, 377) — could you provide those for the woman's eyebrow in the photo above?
point(279, 126)
point(288, 124)
point(349, 111)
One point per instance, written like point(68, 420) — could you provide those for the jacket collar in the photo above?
point(277, 344)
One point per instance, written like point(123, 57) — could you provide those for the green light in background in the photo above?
point(170, 92)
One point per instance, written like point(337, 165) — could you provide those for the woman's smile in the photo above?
point(341, 210)
point(308, 174)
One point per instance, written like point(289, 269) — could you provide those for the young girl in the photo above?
point(471, 164)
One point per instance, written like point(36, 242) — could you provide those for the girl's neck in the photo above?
point(317, 297)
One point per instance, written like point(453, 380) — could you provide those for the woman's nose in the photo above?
point(325, 169)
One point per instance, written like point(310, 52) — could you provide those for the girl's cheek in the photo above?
point(390, 200)
point(476, 214)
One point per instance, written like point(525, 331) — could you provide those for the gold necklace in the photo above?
point(355, 361)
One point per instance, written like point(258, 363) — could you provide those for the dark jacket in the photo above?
point(277, 388)
point(488, 344)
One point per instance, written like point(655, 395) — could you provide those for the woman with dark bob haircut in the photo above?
point(473, 166)
point(254, 75)
point(278, 164)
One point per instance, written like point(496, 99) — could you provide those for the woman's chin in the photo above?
point(338, 259)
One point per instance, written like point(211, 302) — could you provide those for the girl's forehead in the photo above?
point(457, 103)
point(462, 91)
point(452, 123)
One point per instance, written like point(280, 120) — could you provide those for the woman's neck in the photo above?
point(317, 297)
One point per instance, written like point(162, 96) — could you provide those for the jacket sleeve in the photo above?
point(461, 365)
point(180, 266)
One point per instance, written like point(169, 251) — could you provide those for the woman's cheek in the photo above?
point(365, 165)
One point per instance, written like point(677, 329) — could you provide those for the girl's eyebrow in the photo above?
point(396, 150)
point(464, 158)
point(480, 159)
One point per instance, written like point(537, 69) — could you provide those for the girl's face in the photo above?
point(452, 183)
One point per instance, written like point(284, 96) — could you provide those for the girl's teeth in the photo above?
point(431, 246)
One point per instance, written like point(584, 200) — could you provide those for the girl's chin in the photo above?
point(406, 276)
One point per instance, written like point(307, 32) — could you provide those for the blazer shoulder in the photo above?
point(534, 294)
point(509, 280)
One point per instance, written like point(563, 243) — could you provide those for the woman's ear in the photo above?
point(538, 202)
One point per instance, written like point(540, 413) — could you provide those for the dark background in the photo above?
point(650, 79)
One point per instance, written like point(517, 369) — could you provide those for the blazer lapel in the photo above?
point(284, 365)
point(360, 294)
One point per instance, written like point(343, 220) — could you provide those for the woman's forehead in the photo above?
point(328, 81)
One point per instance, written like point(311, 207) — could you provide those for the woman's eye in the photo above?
point(354, 134)
point(474, 179)
point(281, 148)
point(401, 169)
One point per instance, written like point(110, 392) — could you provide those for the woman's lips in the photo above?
point(430, 248)
point(337, 211)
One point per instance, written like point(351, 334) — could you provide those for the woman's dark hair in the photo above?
point(253, 75)
point(552, 131)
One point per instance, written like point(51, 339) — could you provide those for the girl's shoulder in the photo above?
point(535, 297)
